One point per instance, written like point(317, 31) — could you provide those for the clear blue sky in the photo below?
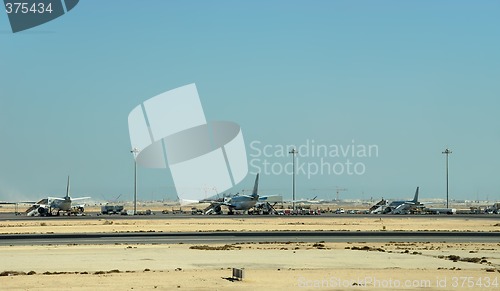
point(412, 77)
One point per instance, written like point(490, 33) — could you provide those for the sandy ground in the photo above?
point(271, 266)
point(241, 223)
point(268, 266)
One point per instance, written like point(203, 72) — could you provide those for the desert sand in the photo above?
point(240, 223)
point(271, 266)
point(268, 266)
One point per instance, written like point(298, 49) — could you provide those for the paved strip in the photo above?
point(246, 237)
point(160, 216)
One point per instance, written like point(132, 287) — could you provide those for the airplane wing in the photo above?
point(271, 198)
point(433, 203)
point(79, 198)
point(19, 202)
point(56, 198)
point(305, 201)
point(221, 203)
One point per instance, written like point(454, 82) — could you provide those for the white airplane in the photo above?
point(307, 201)
point(402, 207)
point(237, 202)
point(53, 205)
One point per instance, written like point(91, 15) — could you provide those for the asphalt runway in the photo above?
point(246, 237)
point(13, 217)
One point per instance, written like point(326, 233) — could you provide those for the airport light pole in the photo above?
point(447, 152)
point(135, 151)
point(293, 152)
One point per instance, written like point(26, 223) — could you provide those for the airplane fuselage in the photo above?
point(397, 203)
point(242, 202)
point(63, 205)
point(238, 202)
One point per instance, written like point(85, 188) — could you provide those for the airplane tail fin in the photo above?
point(67, 189)
point(256, 186)
point(415, 199)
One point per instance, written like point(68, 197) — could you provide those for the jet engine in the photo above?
point(43, 211)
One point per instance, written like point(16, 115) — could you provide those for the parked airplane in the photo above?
point(401, 207)
point(236, 202)
point(53, 205)
point(307, 201)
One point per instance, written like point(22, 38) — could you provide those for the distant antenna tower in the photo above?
point(117, 197)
